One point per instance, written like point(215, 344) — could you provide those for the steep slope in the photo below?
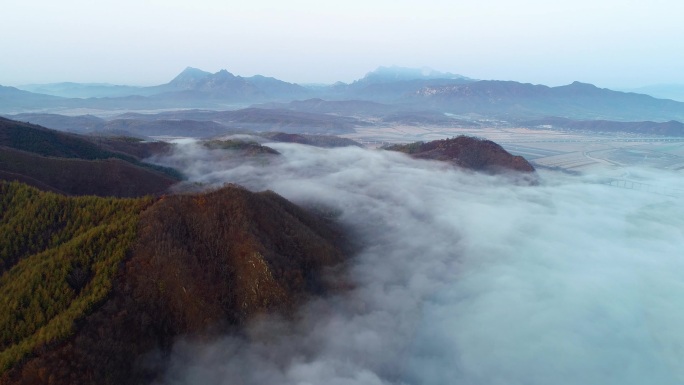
point(78, 165)
point(189, 78)
point(202, 264)
point(223, 85)
point(467, 152)
point(58, 257)
point(102, 177)
point(43, 141)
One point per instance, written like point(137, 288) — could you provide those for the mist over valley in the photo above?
point(409, 227)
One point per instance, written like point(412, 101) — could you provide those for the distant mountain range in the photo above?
point(662, 91)
point(83, 90)
point(198, 123)
point(385, 90)
point(671, 128)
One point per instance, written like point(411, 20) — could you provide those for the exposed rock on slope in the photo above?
point(467, 152)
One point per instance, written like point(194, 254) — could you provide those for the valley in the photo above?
point(261, 229)
point(562, 149)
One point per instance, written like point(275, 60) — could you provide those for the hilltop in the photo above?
point(467, 152)
point(122, 278)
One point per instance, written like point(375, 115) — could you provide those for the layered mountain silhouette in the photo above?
point(223, 85)
point(83, 90)
point(77, 165)
point(509, 99)
point(198, 123)
point(385, 90)
point(671, 128)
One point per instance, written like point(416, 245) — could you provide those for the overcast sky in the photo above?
point(611, 43)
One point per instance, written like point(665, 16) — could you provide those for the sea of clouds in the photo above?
point(463, 278)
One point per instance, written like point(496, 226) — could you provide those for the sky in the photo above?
point(610, 43)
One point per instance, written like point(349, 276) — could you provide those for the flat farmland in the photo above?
point(545, 148)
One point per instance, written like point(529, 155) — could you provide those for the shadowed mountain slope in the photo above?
point(77, 124)
point(79, 165)
point(103, 177)
point(260, 119)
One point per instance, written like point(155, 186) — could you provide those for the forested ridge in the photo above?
point(91, 285)
point(58, 256)
point(100, 266)
point(80, 165)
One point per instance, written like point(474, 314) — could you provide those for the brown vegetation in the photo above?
point(467, 152)
point(78, 165)
point(326, 141)
point(58, 256)
point(241, 148)
point(201, 264)
point(105, 177)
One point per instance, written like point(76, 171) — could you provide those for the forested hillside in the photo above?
point(78, 165)
point(58, 256)
point(91, 285)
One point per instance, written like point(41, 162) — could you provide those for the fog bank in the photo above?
point(464, 278)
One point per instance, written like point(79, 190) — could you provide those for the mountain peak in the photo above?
point(223, 74)
point(188, 77)
point(395, 73)
point(191, 70)
point(578, 84)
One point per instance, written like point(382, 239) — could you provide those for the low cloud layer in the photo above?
point(464, 278)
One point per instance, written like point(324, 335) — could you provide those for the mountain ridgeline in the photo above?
point(94, 284)
point(393, 87)
point(79, 165)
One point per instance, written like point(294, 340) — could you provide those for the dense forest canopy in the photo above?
point(58, 256)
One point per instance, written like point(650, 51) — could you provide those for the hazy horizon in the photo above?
point(610, 44)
